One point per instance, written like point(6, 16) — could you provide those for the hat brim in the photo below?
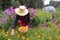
point(21, 14)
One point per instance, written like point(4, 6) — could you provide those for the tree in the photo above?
point(32, 3)
point(29, 3)
point(5, 4)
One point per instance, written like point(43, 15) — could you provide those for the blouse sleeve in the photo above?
point(15, 22)
point(28, 21)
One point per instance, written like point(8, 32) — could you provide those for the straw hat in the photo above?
point(22, 11)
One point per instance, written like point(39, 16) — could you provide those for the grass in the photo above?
point(38, 33)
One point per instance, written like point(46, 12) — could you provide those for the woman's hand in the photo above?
point(12, 33)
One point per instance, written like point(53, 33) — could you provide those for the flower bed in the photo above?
point(33, 34)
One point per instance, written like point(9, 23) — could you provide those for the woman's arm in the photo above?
point(14, 25)
point(28, 19)
point(15, 22)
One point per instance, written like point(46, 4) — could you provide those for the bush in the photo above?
point(15, 3)
point(2, 37)
point(58, 8)
point(58, 19)
point(43, 16)
point(0, 8)
point(5, 21)
point(7, 25)
point(35, 21)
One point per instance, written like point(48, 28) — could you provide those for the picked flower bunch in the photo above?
point(23, 29)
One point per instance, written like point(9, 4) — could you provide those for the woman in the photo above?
point(23, 16)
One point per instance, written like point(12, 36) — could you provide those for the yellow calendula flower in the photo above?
point(18, 35)
point(22, 37)
point(3, 33)
point(16, 32)
point(49, 26)
point(42, 28)
point(21, 34)
point(36, 37)
point(57, 30)
point(6, 34)
point(43, 34)
point(9, 39)
point(58, 38)
point(27, 38)
point(50, 38)
point(48, 33)
point(39, 36)
point(35, 33)
point(2, 30)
